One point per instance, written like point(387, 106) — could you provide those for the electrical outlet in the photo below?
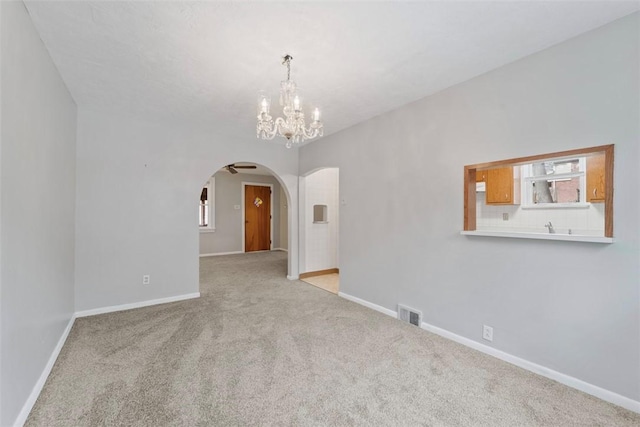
point(146, 279)
point(487, 332)
point(505, 216)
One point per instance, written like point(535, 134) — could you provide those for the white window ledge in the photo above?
point(540, 236)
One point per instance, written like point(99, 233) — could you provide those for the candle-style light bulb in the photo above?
point(296, 103)
point(316, 115)
point(265, 105)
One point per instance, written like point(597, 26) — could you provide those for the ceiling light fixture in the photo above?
point(292, 127)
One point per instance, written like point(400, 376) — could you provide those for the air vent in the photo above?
point(409, 315)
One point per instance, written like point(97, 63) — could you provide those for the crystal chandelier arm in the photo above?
point(280, 125)
point(311, 132)
point(270, 130)
point(265, 134)
point(265, 128)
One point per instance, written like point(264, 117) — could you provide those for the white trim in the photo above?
point(368, 304)
point(221, 253)
point(540, 236)
point(280, 249)
point(599, 392)
point(242, 190)
point(37, 388)
point(296, 277)
point(140, 304)
point(554, 177)
point(567, 380)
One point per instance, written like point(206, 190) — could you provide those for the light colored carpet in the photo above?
point(258, 349)
point(328, 282)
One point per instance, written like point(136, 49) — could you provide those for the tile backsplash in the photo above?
point(583, 221)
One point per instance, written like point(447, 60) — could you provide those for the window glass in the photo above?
point(206, 219)
point(554, 182)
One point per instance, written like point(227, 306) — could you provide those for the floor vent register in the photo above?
point(409, 315)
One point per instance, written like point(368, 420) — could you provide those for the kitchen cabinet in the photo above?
point(595, 178)
point(508, 181)
point(499, 186)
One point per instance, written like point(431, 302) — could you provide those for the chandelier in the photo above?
point(292, 126)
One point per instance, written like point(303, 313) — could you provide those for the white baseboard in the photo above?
point(37, 388)
point(588, 388)
point(221, 253)
point(601, 393)
point(240, 252)
point(368, 304)
point(296, 277)
point(147, 303)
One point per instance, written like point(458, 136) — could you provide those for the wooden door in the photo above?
point(499, 188)
point(595, 178)
point(257, 218)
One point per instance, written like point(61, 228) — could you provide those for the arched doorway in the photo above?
point(244, 210)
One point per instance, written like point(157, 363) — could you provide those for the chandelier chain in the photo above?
point(287, 60)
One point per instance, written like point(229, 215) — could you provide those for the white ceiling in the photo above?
point(206, 61)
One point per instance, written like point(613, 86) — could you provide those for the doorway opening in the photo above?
point(243, 219)
point(319, 229)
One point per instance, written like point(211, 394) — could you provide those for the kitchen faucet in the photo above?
point(550, 227)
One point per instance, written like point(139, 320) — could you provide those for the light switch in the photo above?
point(236, 207)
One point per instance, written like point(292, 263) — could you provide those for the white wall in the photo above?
point(227, 236)
point(38, 202)
point(585, 221)
point(138, 186)
point(284, 225)
point(320, 240)
point(580, 316)
point(2, 37)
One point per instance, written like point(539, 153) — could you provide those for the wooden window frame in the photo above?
point(470, 181)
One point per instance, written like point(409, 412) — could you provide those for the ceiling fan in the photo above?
point(232, 168)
